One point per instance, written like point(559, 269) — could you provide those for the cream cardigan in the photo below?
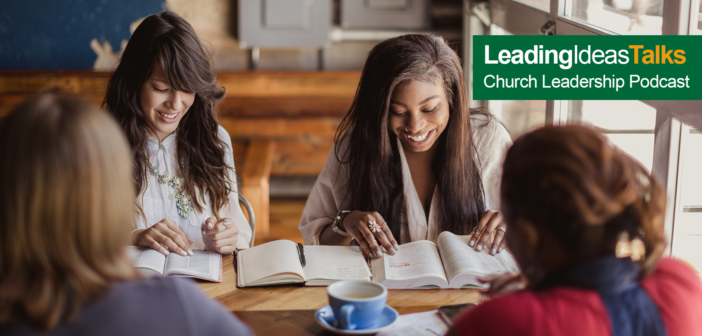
point(329, 192)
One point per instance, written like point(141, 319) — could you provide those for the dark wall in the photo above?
point(56, 34)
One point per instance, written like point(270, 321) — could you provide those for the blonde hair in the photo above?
point(66, 209)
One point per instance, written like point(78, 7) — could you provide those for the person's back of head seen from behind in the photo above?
point(568, 197)
point(66, 209)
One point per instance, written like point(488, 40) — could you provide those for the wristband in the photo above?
point(337, 224)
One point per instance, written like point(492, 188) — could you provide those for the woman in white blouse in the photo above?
point(410, 159)
point(163, 94)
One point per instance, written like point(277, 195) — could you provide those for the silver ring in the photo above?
point(406, 129)
point(373, 226)
point(500, 229)
point(227, 223)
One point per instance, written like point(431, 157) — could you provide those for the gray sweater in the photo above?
point(156, 306)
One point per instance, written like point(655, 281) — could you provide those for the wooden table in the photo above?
point(288, 310)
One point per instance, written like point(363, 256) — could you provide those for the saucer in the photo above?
point(325, 317)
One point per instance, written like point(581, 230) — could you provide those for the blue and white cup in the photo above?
point(357, 304)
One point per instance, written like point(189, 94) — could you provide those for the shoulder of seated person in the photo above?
point(156, 284)
point(483, 125)
point(223, 134)
point(671, 271)
point(489, 316)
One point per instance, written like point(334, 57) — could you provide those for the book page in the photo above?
point(414, 260)
point(459, 258)
point(201, 264)
point(147, 258)
point(268, 260)
point(335, 263)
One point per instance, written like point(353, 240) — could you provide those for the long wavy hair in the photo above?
point(372, 156)
point(66, 209)
point(572, 183)
point(167, 39)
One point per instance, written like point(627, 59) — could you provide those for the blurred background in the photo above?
point(291, 68)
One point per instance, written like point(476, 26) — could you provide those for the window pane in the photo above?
point(626, 17)
point(546, 4)
point(696, 26)
point(628, 124)
point(519, 116)
point(691, 191)
point(687, 243)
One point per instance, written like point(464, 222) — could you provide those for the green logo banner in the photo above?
point(587, 67)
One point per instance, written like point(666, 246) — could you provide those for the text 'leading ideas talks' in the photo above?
point(565, 58)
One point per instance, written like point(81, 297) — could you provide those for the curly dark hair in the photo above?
point(571, 182)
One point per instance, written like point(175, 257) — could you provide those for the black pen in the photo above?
point(301, 253)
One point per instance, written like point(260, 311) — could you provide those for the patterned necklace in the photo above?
point(184, 203)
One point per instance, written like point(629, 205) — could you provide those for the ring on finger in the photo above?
point(500, 228)
point(373, 226)
point(227, 223)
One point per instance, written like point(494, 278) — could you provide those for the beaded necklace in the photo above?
point(184, 203)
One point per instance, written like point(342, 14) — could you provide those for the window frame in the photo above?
point(673, 117)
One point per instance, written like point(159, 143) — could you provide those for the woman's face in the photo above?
point(162, 105)
point(419, 112)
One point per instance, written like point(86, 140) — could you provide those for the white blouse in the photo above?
point(158, 201)
point(328, 195)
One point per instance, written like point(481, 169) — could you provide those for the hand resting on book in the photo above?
point(163, 236)
point(357, 224)
point(491, 221)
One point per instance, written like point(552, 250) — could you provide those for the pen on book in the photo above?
point(301, 253)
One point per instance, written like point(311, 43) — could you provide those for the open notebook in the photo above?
point(450, 263)
point(278, 262)
point(202, 264)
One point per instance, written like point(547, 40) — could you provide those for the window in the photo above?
point(628, 124)
point(653, 132)
point(687, 233)
point(624, 17)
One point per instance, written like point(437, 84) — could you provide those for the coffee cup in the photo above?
point(357, 304)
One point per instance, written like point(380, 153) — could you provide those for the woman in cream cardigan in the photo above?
point(411, 159)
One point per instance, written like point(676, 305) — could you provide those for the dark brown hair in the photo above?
point(168, 39)
point(66, 209)
point(375, 178)
point(571, 182)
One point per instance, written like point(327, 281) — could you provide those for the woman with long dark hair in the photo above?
point(569, 198)
point(163, 94)
point(411, 159)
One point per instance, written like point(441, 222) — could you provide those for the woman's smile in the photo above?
point(169, 117)
point(419, 139)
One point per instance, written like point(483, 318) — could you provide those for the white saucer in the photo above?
point(325, 317)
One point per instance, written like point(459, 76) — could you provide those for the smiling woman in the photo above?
point(163, 108)
point(163, 94)
point(411, 159)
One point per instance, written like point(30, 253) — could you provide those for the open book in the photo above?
point(278, 262)
point(202, 264)
point(450, 263)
